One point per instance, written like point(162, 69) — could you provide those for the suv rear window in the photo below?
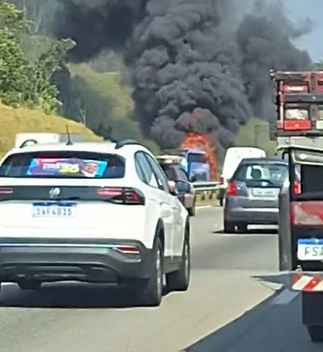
point(273, 173)
point(63, 164)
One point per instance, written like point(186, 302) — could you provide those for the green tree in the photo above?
point(25, 81)
point(13, 68)
point(39, 12)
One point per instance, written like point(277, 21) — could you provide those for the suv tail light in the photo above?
point(221, 180)
point(232, 189)
point(122, 195)
point(6, 190)
point(6, 193)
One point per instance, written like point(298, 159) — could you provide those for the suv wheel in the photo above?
point(150, 293)
point(179, 280)
point(229, 227)
point(29, 285)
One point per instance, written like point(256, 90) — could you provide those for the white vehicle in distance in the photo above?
point(92, 212)
point(232, 159)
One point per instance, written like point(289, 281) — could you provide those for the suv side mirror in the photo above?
point(182, 187)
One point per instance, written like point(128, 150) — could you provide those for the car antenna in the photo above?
point(69, 141)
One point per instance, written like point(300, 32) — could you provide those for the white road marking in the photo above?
point(236, 235)
point(204, 206)
point(285, 297)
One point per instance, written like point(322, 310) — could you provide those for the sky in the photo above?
point(298, 9)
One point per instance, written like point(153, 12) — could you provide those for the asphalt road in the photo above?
point(233, 305)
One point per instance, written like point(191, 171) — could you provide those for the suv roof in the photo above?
point(122, 147)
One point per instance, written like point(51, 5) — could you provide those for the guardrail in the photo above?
point(206, 192)
point(206, 186)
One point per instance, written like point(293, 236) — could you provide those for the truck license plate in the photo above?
point(310, 249)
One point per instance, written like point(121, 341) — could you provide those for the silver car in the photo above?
point(252, 194)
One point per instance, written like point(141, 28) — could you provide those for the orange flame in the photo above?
point(200, 141)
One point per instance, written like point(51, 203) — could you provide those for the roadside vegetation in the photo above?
point(20, 120)
point(39, 86)
point(256, 133)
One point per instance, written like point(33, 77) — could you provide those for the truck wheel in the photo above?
point(316, 333)
point(229, 227)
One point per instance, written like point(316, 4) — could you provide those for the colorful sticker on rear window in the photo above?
point(66, 166)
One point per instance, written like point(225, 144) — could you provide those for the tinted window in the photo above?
point(169, 171)
point(196, 158)
point(259, 172)
point(143, 164)
point(140, 171)
point(161, 179)
point(63, 164)
point(308, 174)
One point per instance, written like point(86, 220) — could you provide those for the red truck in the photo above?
point(299, 133)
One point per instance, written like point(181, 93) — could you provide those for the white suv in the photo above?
point(95, 212)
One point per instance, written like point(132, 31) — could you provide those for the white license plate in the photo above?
point(264, 192)
point(310, 249)
point(52, 210)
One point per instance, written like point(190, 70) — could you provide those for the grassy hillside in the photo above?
point(13, 121)
point(256, 134)
point(108, 84)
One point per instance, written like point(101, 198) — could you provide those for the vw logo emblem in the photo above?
point(54, 192)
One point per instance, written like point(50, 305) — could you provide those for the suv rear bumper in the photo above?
point(253, 216)
point(73, 260)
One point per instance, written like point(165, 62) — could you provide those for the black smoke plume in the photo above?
point(189, 56)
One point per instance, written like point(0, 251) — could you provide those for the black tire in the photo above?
point(229, 227)
point(192, 211)
point(29, 285)
point(150, 293)
point(242, 227)
point(316, 333)
point(179, 280)
point(221, 202)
